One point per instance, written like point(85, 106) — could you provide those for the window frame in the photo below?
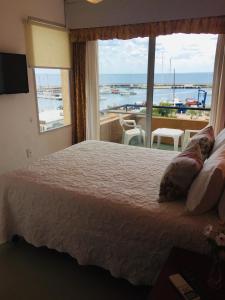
point(36, 99)
point(150, 86)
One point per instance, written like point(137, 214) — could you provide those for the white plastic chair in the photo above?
point(128, 134)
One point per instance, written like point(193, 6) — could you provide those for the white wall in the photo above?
point(81, 14)
point(18, 113)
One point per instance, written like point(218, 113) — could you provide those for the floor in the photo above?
point(33, 273)
point(165, 147)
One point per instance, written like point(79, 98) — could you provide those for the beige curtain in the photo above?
point(79, 96)
point(92, 92)
point(217, 116)
point(201, 25)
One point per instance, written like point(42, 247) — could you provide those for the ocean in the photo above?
point(167, 78)
point(160, 95)
point(160, 78)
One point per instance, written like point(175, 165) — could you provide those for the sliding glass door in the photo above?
point(123, 68)
point(183, 78)
point(151, 84)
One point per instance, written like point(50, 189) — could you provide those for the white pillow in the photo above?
point(207, 188)
point(221, 208)
point(219, 140)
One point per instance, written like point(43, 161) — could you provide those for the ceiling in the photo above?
point(81, 14)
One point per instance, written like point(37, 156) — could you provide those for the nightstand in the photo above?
point(192, 266)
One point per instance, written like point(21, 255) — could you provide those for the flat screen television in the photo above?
point(13, 74)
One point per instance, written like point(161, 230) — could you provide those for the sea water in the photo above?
point(160, 95)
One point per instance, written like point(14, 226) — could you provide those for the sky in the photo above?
point(186, 53)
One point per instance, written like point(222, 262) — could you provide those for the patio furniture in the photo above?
point(175, 134)
point(188, 133)
point(129, 134)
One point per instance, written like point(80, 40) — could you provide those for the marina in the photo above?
point(113, 88)
point(127, 92)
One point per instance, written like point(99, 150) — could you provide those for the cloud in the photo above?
point(119, 56)
point(185, 53)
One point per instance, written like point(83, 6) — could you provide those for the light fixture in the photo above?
point(94, 1)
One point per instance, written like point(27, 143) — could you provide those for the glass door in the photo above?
point(152, 87)
point(123, 66)
point(183, 78)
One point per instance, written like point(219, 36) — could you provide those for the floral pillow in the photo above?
point(205, 138)
point(180, 174)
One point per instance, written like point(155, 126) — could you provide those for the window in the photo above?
point(183, 76)
point(53, 98)
point(123, 90)
point(49, 56)
point(177, 94)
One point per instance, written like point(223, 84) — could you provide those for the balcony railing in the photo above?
point(133, 107)
point(112, 131)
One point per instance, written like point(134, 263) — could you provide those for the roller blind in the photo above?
point(48, 46)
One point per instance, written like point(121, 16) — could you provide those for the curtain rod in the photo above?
point(45, 22)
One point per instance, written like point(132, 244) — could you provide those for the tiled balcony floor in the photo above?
point(165, 147)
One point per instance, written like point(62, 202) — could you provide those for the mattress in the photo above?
point(97, 201)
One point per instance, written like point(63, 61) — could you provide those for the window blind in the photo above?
point(47, 45)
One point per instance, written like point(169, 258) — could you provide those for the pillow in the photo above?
point(180, 173)
point(205, 139)
point(221, 208)
point(219, 140)
point(207, 188)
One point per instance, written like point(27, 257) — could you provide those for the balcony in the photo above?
point(192, 118)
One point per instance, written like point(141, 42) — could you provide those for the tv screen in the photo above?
point(13, 74)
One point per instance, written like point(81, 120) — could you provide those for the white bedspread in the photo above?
point(97, 201)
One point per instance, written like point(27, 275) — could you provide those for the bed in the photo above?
point(97, 201)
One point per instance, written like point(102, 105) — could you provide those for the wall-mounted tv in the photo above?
point(13, 74)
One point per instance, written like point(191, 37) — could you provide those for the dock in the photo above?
point(156, 86)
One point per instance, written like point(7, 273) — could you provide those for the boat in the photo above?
point(105, 90)
point(115, 91)
point(191, 102)
point(177, 102)
point(125, 93)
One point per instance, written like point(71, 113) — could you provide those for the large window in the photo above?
point(53, 98)
point(178, 92)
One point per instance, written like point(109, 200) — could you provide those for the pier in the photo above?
point(156, 86)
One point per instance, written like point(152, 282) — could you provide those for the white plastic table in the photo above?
point(175, 134)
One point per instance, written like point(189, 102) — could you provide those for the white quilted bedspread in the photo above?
point(97, 201)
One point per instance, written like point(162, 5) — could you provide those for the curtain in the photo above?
point(217, 116)
point(201, 25)
point(79, 97)
point(86, 69)
point(92, 93)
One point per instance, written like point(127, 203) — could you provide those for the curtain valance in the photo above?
point(214, 25)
